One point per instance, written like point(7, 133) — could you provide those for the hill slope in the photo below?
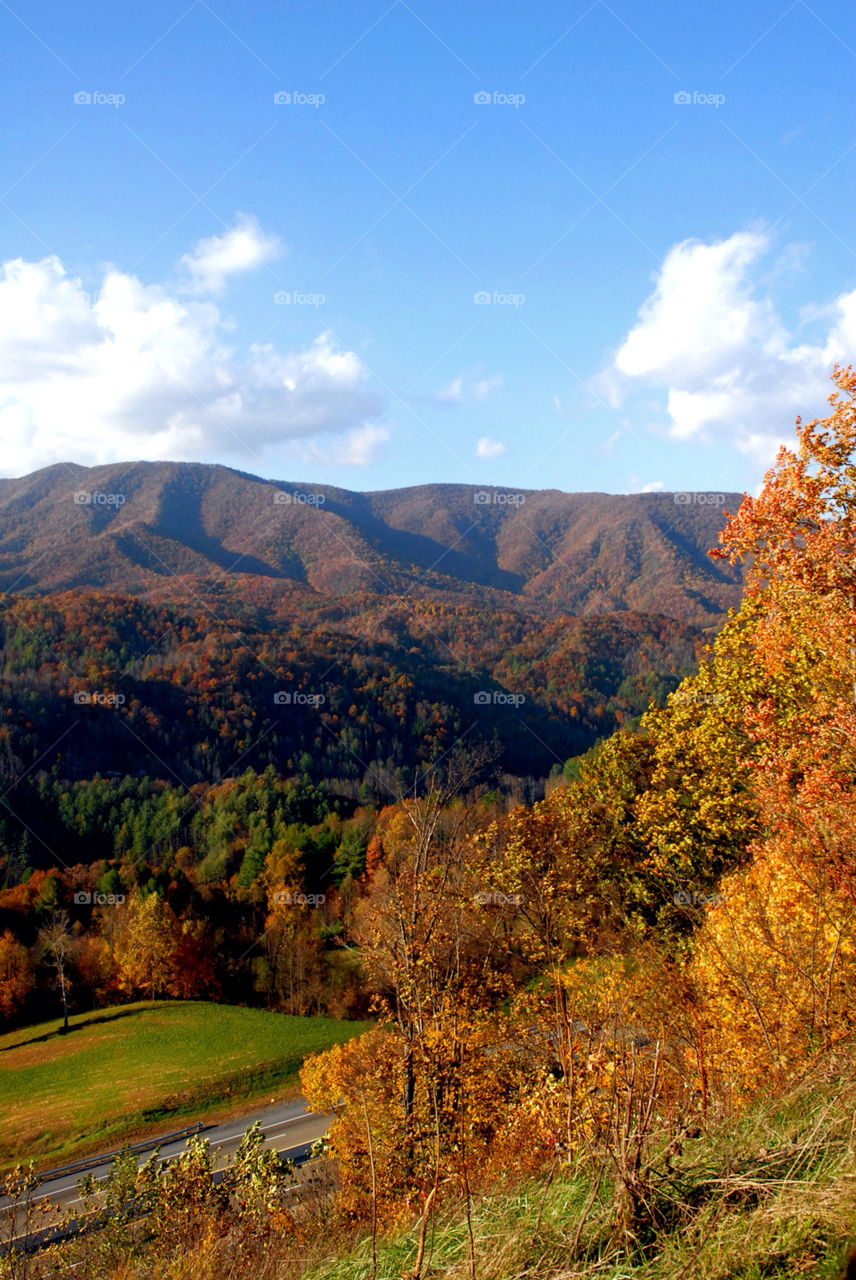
point(185, 622)
point(145, 1064)
point(158, 529)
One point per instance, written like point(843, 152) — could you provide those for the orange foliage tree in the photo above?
point(776, 957)
point(16, 975)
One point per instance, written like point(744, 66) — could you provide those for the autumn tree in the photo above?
point(192, 968)
point(145, 945)
point(698, 813)
point(776, 956)
point(58, 944)
point(16, 975)
point(799, 536)
point(432, 958)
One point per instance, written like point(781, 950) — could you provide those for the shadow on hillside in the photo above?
point(78, 1026)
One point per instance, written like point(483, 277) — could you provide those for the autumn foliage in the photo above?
point(587, 982)
point(661, 941)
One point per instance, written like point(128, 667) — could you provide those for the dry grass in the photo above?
point(769, 1197)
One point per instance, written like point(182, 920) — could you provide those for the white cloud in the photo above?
point(653, 486)
point(482, 387)
point(451, 395)
point(490, 448)
point(359, 448)
point(243, 248)
point(464, 390)
point(138, 372)
point(728, 365)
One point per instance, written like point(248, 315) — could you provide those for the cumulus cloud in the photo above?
point(137, 371)
point(718, 349)
point(358, 448)
point(451, 395)
point(482, 387)
point(490, 448)
point(244, 247)
point(465, 390)
point(361, 446)
point(653, 486)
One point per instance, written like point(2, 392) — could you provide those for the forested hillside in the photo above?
point(181, 530)
point(347, 640)
point(620, 1018)
point(187, 722)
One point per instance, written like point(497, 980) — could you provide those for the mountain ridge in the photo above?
point(142, 528)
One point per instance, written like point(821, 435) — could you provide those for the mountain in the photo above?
point(163, 531)
point(176, 624)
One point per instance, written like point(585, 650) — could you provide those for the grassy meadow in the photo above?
point(145, 1067)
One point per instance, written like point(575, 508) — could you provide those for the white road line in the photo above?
point(277, 1124)
point(239, 1133)
point(79, 1199)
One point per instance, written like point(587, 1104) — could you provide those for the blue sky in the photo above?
point(668, 281)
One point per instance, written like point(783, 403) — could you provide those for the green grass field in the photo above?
point(150, 1066)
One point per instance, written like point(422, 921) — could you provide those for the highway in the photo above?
point(287, 1127)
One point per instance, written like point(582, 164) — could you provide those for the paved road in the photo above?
point(286, 1126)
